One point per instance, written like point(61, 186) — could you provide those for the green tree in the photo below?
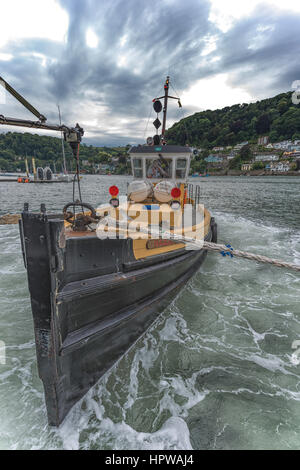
point(246, 153)
point(282, 106)
point(3, 164)
point(263, 124)
point(258, 165)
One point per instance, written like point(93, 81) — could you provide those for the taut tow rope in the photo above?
point(209, 246)
point(224, 250)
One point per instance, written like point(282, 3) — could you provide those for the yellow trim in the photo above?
point(140, 249)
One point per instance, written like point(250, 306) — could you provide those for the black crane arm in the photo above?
point(22, 100)
point(72, 135)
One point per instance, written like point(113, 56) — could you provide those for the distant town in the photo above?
point(20, 152)
point(262, 158)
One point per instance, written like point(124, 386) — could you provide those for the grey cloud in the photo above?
point(273, 64)
point(162, 37)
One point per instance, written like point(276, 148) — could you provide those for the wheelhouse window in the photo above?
point(137, 168)
point(181, 167)
point(159, 168)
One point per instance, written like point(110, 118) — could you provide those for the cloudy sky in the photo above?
point(104, 61)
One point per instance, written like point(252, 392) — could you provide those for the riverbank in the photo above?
point(254, 173)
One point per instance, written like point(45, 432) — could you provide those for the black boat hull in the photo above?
point(91, 301)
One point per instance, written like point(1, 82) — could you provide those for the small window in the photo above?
point(137, 168)
point(137, 163)
point(180, 168)
point(159, 168)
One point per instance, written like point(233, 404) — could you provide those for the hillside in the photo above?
point(15, 146)
point(277, 117)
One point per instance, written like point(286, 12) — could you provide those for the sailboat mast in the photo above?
point(62, 144)
point(26, 166)
point(166, 87)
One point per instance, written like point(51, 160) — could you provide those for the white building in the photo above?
point(281, 167)
point(263, 140)
point(294, 147)
point(241, 145)
point(282, 145)
point(266, 158)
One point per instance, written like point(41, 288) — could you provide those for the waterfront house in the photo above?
point(280, 167)
point(246, 167)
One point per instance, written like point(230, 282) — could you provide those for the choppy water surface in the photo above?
point(216, 371)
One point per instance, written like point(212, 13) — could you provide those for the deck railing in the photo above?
point(193, 193)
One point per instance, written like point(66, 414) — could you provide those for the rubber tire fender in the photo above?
point(214, 230)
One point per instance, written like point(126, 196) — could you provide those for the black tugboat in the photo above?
point(96, 287)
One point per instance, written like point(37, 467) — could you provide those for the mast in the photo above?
point(34, 168)
point(26, 167)
point(157, 106)
point(166, 87)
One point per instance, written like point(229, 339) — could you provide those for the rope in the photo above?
point(77, 178)
point(224, 250)
point(251, 256)
point(188, 137)
point(209, 246)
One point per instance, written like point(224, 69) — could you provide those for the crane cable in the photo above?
point(77, 178)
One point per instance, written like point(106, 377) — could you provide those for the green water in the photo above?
point(216, 371)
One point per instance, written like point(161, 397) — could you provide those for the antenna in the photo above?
point(157, 106)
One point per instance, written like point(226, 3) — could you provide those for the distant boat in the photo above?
point(6, 177)
point(198, 175)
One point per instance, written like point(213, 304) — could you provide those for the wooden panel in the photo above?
point(140, 249)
